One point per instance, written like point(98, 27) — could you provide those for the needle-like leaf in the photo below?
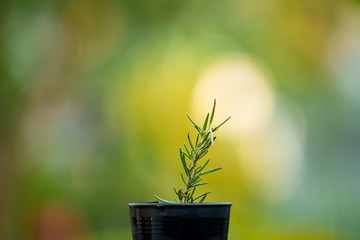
point(162, 200)
point(191, 144)
point(204, 194)
point(192, 193)
point(193, 180)
point(199, 184)
point(188, 156)
point(177, 192)
point(205, 122)
point(210, 171)
point(213, 112)
point(196, 181)
point(202, 154)
point(192, 167)
point(182, 157)
point(212, 137)
point(202, 199)
point(187, 150)
point(195, 124)
point(217, 127)
point(205, 138)
point(182, 177)
point(203, 166)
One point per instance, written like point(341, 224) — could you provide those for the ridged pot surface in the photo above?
point(166, 221)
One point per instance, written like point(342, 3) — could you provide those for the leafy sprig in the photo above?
point(190, 157)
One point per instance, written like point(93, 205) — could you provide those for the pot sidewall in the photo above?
point(180, 221)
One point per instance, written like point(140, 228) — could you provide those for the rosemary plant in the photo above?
point(190, 159)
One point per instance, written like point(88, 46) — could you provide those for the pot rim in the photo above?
point(160, 204)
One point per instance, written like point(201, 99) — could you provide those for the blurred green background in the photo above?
point(94, 96)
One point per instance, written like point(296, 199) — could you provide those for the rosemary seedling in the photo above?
point(190, 157)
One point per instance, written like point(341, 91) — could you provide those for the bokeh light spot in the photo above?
point(241, 89)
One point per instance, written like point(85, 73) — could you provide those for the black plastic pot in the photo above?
point(166, 221)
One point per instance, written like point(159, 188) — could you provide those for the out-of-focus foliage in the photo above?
point(93, 103)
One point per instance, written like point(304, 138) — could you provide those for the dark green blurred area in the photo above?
point(94, 96)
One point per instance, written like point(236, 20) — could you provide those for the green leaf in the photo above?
point(213, 112)
point(187, 150)
point(206, 122)
point(191, 144)
point(202, 154)
point(212, 137)
point(176, 200)
point(187, 191)
point(188, 156)
point(204, 194)
point(192, 180)
point(162, 200)
point(199, 184)
point(205, 138)
point(196, 181)
point(192, 193)
point(197, 140)
point(206, 144)
point(195, 124)
point(216, 128)
point(193, 166)
point(202, 199)
point(181, 195)
point(203, 166)
point(210, 171)
point(182, 157)
point(182, 177)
